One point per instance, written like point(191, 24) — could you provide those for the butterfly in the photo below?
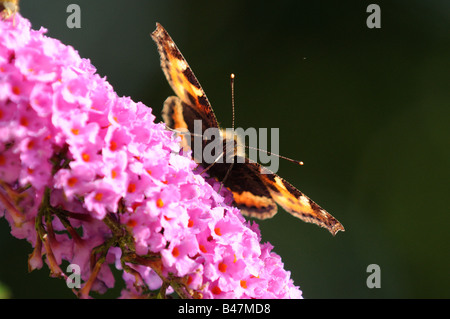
point(256, 191)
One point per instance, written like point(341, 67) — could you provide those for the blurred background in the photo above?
point(367, 110)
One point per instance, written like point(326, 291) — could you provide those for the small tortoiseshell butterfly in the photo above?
point(256, 192)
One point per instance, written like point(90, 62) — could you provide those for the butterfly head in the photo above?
point(230, 137)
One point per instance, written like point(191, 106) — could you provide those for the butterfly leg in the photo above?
point(225, 178)
point(210, 165)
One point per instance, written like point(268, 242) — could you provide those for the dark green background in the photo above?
point(367, 110)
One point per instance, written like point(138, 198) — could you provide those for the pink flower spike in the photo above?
point(88, 178)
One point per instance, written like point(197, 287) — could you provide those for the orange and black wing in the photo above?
point(182, 79)
point(250, 193)
point(298, 204)
point(256, 192)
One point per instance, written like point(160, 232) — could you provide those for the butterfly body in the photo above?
point(256, 191)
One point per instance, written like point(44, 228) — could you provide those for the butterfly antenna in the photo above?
point(277, 155)
point(232, 96)
point(232, 76)
point(181, 132)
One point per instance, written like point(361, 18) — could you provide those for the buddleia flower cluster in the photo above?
point(88, 178)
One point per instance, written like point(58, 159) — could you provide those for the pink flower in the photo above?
point(101, 199)
point(88, 178)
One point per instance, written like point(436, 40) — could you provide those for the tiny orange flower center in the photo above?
point(222, 267)
point(175, 252)
point(98, 196)
point(72, 181)
point(131, 188)
point(23, 121)
point(16, 90)
point(131, 223)
point(159, 203)
point(135, 205)
point(75, 131)
point(216, 290)
point(30, 145)
point(113, 146)
point(85, 157)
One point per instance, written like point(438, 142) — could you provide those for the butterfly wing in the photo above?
point(256, 191)
point(298, 204)
point(250, 193)
point(181, 116)
point(181, 78)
